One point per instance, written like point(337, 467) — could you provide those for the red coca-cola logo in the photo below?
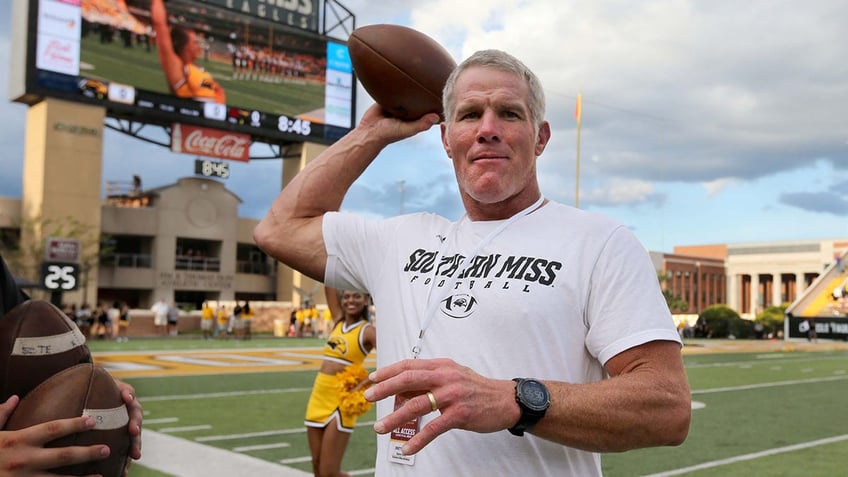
point(211, 142)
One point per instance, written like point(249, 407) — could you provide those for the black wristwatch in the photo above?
point(534, 399)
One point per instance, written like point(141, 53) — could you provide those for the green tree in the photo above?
point(772, 318)
point(722, 322)
point(676, 303)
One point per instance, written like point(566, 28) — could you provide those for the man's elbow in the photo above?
point(263, 235)
point(680, 417)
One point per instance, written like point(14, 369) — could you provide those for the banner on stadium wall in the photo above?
point(210, 142)
point(830, 328)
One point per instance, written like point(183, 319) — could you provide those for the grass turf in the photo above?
point(756, 407)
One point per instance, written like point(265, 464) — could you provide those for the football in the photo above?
point(403, 69)
point(84, 389)
point(37, 340)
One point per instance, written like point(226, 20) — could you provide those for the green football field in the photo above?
point(777, 413)
point(140, 68)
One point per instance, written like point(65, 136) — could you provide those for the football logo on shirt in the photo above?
point(459, 306)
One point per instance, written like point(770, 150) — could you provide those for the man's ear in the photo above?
point(445, 139)
point(543, 136)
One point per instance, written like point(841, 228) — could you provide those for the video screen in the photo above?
point(253, 66)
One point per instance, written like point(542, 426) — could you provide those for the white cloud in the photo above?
point(715, 187)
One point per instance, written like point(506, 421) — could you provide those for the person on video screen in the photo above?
point(178, 49)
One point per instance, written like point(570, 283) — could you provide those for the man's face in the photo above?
point(493, 140)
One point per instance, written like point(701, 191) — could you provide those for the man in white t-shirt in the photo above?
point(524, 316)
point(160, 316)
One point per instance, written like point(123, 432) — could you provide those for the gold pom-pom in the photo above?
point(353, 381)
point(354, 403)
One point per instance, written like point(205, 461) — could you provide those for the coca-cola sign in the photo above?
point(202, 141)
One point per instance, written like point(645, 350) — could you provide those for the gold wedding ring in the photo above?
point(432, 398)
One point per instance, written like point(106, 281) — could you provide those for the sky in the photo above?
point(704, 122)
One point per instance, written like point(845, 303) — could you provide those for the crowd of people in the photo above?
point(105, 321)
point(222, 323)
point(262, 64)
point(308, 321)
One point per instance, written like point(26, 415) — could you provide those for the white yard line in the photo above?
point(202, 427)
point(752, 456)
point(181, 397)
point(184, 458)
point(276, 445)
point(770, 385)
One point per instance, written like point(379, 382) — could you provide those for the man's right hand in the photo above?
point(393, 129)
point(22, 452)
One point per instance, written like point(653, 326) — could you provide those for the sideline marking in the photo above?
point(247, 435)
point(276, 445)
point(770, 385)
point(201, 427)
point(296, 460)
point(178, 456)
point(752, 456)
point(162, 420)
point(180, 397)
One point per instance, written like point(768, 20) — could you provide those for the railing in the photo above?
point(126, 260)
point(204, 264)
point(254, 268)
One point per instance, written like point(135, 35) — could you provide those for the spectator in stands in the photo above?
point(247, 318)
point(206, 320)
point(812, 335)
point(222, 319)
point(113, 315)
point(173, 319)
point(135, 189)
point(84, 319)
point(236, 322)
point(123, 324)
point(103, 325)
point(179, 47)
point(160, 316)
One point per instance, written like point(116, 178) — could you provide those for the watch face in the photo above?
point(535, 395)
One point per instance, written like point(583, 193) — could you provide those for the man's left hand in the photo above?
point(465, 399)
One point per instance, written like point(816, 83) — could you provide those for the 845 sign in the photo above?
point(211, 168)
point(59, 276)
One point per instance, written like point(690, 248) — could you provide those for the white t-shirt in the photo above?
point(553, 296)
point(160, 309)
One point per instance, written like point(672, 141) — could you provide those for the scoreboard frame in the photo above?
point(53, 57)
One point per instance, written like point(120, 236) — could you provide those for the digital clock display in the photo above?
point(294, 125)
point(208, 168)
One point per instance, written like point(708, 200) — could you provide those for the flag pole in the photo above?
point(578, 115)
